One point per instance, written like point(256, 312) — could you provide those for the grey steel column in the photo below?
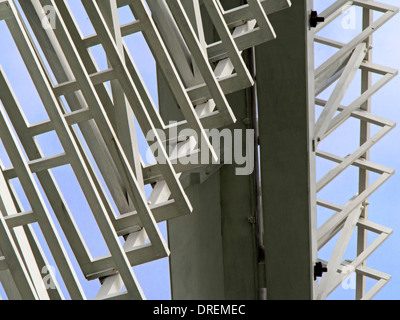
point(285, 80)
point(213, 250)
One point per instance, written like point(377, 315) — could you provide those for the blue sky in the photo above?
point(154, 277)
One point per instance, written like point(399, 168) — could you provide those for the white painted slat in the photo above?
point(73, 85)
point(364, 164)
point(376, 6)
point(345, 114)
point(362, 115)
point(20, 219)
point(333, 225)
point(339, 91)
point(332, 174)
point(229, 43)
point(375, 289)
point(374, 227)
point(201, 60)
point(160, 193)
point(373, 274)
point(40, 165)
point(113, 284)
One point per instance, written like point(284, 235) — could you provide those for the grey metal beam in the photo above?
point(285, 79)
point(213, 250)
point(364, 178)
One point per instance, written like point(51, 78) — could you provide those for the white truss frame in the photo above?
point(74, 155)
point(200, 76)
point(105, 121)
point(342, 67)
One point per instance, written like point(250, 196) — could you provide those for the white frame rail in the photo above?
point(353, 215)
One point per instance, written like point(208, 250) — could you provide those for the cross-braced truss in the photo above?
point(95, 126)
point(94, 114)
point(339, 71)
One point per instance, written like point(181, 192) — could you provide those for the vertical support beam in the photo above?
point(285, 79)
point(213, 250)
point(365, 132)
point(125, 121)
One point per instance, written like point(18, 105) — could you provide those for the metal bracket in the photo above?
point(315, 19)
point(319, 270)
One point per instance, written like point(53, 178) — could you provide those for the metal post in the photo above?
point(285, 80)
point(214, 249)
